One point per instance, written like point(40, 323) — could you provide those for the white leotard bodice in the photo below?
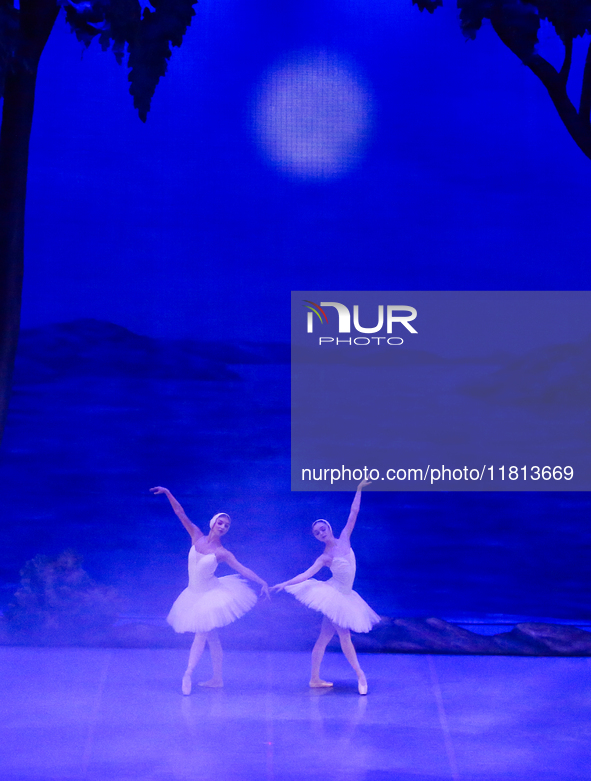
point(335, 597)
point(201, 569)
point(343, 572)
point(209, 602)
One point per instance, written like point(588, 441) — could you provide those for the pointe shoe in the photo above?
point(186, 684)
point(362, 685)
point(319, 684)
point(212, 684)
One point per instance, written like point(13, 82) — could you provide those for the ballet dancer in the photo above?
point(209, 602)
point(343, 609)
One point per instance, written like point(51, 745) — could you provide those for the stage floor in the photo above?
point(86, 714)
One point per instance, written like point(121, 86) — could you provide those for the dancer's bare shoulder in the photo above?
point(342, 547)
point(223, 554)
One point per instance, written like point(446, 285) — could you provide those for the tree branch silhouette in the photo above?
point(144, 36)
point(585, 104)
point(568, 61)
point(517, 24)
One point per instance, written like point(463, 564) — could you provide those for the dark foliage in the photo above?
point(570, 18)
point(517, 23)
point(427, 5)
point(57, 596)
point(521, 20)
point(145, 36)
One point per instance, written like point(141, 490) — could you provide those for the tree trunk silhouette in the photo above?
point(517, 24)
point(37, 18)
point(576, 122)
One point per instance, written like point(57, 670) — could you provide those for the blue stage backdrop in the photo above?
point(290, 146)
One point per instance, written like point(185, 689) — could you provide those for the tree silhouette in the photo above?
point(517, 24)
point(143, 38)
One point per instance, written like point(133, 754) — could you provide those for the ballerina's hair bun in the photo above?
point(322, 520)
point(216, 516)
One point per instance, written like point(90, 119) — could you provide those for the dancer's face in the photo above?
point(321, 531)
point(221, 525)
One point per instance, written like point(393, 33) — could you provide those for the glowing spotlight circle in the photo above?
point(312, 115)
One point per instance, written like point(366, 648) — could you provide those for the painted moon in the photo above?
point(312, 116)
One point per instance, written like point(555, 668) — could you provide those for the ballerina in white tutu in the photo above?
point(209, 602)
point(343, 608)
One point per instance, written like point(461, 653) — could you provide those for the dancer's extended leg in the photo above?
point(194, 656)
point(327, 630)
point(351, 656)
point(215, 650)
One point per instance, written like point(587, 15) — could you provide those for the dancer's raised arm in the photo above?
point(350, 525)
point(194, 531)
point(342, 608)
point(321, 561)
point(232, 561)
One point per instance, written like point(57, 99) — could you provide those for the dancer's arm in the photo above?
point(232, 561)
point(350, 525)
point(193, 530)
point(321, 561)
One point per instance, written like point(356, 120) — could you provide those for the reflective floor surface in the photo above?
point(88, 714)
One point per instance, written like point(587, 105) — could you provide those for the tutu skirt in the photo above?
point(227, 599)
point(345, 609)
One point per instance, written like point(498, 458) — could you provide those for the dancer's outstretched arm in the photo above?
point(321, 561)
point(350, 525)
point(232, 561)
point(193, 530)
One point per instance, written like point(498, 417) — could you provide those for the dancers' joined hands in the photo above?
point(209, 602)
point(322, 530)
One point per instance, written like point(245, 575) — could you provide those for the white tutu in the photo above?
point(335, 598)
point(209, 602)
